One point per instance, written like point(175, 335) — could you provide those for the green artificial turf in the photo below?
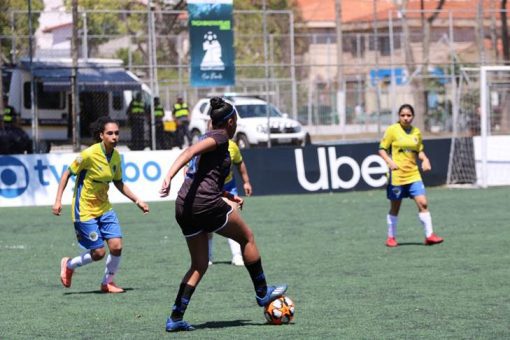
point(329, 248)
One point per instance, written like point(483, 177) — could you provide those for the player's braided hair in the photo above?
point(221, 111)
point(98, 126)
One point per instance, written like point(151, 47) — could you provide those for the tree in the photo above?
point(20, 26)
point(249, 41)
point(418, 85)
point(105, 20)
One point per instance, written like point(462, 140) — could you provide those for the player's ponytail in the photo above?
point(221, 111)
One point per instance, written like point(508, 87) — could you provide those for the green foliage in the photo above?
point(329, 248)
point(106, 21)
point(136, 56)
point(249, 41)
point(20, 25)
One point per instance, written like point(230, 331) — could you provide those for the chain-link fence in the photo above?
point(385, 63)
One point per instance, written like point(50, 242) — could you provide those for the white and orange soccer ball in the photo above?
point(279, 311)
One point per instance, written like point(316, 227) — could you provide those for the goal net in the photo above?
point(480, 152)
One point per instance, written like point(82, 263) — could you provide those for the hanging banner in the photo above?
point(212, 43)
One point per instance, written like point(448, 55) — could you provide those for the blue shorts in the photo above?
point(231, 187)
point(411, 190)
point(92, 233)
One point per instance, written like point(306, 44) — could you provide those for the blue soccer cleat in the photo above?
point(273, 292)
point(177, 326)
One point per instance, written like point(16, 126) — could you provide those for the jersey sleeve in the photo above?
point(387, 139)
point(81, 162)
point(235, 153)
point(420, 142)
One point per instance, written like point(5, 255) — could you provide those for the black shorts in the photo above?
point(194, 219)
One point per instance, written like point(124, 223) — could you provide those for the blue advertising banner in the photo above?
point(212, 43)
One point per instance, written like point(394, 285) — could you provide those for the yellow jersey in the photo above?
point(404, 147)
point(235, 158)
point(94, 172)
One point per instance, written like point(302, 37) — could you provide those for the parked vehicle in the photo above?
point(105, 88)
point(252, 123)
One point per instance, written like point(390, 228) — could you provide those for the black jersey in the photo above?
point(204, 180)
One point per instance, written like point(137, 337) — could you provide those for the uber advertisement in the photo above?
point(27, 180)
point(334, 168)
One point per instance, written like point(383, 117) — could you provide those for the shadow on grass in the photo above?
point(94, 292)
point(226, 324)
point(222, 262)
point(411, 244)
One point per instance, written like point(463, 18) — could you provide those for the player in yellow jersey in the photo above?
point(94, 219)
point(231, 187)
point(404, 142)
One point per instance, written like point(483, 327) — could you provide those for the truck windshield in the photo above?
point(258, 110)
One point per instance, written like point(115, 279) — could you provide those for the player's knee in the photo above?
point(200, 267)
point(249, 237)
point(97, 254)
point(116, 251)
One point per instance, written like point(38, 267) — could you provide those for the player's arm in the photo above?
point(126, 191)
point(243, 170)
point(206, 145)
point(391, 164)
point(234, 198)
point(57, 206)
point(425, 162)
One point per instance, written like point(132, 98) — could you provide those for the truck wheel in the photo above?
point(307, 140)
point(242, 141)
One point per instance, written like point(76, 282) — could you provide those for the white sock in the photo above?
point(210, 244)
point(112, 265)
point(426, 221)
point(235, 248)
point(391, 222)
point(80, 260)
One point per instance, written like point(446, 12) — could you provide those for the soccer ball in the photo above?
point(279, 311)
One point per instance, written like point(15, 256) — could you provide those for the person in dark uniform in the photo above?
point(202, 206)
point(181, 116)
point(9, 116)
point(16, 141)
point(137, 115)
point(159, 113)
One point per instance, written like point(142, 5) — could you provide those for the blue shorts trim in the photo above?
point(231, 187)
point(92, 233)
point(411, 190)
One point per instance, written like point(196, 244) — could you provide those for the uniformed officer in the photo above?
point(137, 115)
point(181, 116)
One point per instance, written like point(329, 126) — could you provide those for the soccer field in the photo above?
point(329, 248)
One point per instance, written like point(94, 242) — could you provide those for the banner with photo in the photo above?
point(211, 43)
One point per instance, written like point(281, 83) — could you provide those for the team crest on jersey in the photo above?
point(78, 160)
point(415, 140)
point(93, 236)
